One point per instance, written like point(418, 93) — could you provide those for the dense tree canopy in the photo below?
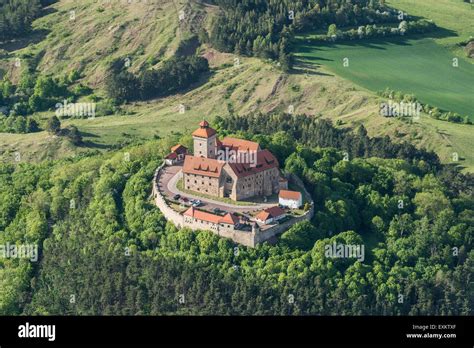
point(265, 28)
point(175, 75)
point(103, 241)
point(320, 132)
point(16, 17)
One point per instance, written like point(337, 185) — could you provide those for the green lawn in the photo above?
point(420, 67)
point(456, 16)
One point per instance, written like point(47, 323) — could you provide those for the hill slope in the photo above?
point(151, 33)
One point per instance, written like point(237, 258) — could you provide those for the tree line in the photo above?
point(266, 28)
point(35, 93)
point(374, 30)
point(16, 16)
point(313, 131)
point(432, 111)
point(175, 75)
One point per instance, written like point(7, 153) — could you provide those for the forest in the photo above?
point(321, 132)
point(16, 17)
point(175, 75)
point(107, 250)
point(266, 28)
point(33, 93)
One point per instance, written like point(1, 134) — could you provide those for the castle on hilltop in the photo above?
point(234, 168)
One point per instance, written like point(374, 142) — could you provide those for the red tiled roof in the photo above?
point(204, 131)
point(202, 166)
point(265, 160)
point(287, 194)
point(240, 144)
point(262, 216)
point(171, 156)
point(268, 213)
point(216, 219)
point(230, 219)
point(179, 149)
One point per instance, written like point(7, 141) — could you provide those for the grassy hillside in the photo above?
point(151, 33)
point(88, 35)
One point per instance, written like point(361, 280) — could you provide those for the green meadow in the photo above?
point(413, 66)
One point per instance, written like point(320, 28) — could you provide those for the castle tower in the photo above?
point(205, 141)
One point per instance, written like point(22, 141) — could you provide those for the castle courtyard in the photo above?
point(167, 185)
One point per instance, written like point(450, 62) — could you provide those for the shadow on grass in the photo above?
point(303, 67)
point(91, 145)
point(89, 135)
point(457, 165)
point(306, 45)
point(20, 43)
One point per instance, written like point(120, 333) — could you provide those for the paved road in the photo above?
point(170, 176)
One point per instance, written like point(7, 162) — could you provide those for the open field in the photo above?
point(419, 67)
point(456, 16)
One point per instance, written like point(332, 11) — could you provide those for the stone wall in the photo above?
point(280, 228)
point(242, 237)
point(168, 212)
point(263, 183)
point(247, 238)
point(202, 184)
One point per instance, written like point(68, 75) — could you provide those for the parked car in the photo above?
point(218, 211)
point(176, 197)
point(196, 203)
point(185, 200)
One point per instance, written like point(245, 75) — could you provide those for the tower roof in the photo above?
point(204, 131)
